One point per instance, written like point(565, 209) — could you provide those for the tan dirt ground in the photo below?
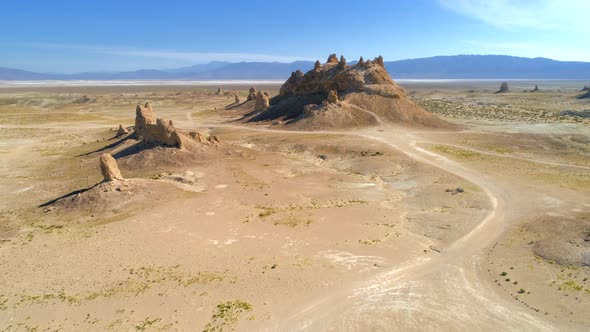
point(285, 230)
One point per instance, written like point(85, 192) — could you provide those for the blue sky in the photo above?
point(107, 35)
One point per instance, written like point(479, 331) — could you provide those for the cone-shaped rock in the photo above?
point(109, 168)
point(122, 131)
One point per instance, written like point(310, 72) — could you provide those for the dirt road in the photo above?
point(450, 290)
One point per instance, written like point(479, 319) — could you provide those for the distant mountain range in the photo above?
point(439, 67)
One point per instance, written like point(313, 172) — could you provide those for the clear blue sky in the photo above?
point(108, 35)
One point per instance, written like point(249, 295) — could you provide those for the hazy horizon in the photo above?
point(66, 37)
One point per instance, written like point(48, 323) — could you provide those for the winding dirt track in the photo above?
point(439, 292)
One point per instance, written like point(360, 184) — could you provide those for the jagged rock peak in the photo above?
point(379, 60)
point(317, 66)
point(342, 78)
point(342, 62)
point(332, 59)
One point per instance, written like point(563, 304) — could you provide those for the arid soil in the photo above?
point(482, 226)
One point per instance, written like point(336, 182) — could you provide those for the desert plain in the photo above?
point(484, 225)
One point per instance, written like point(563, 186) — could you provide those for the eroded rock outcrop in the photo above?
point(342, 62)
point(144, 116)
point(122, 131)
point(357, 95)
point(219, 91)
point(585, 88)
point(339, 78)
point(109, 168)
point(332, 59)
point(262, 101)
point(155, 131)
point(503, 88)
point(251, 94)
point(317, 65)
point(332, 97)
point(203, 139)
point(237, 99)
point(292, 82)
point(585, 95)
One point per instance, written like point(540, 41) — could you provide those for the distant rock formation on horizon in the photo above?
point(584, 95)
point(503, 88)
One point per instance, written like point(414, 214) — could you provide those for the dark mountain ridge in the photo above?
point(438, 67)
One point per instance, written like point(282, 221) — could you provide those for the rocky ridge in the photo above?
point(336, 94)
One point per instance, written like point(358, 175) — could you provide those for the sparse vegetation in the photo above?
point(227, 315)
point(457, 153)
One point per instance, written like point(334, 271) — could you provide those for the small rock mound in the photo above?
point(122, 131)
point(563, 240)
point(503, 88)
point(109, 168)
point(84, 100)
point(204, 139)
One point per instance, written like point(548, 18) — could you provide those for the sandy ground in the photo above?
point(285, 230)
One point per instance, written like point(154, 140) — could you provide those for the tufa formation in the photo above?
point(332, 97)
point(154, 131)
point(336, 95)
point(251, 94)
point(503, 88)
point(316, 67)
point(109, 168)
point(333, 58)
point(262, 101)
point(122, 131)
point(584, 95)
